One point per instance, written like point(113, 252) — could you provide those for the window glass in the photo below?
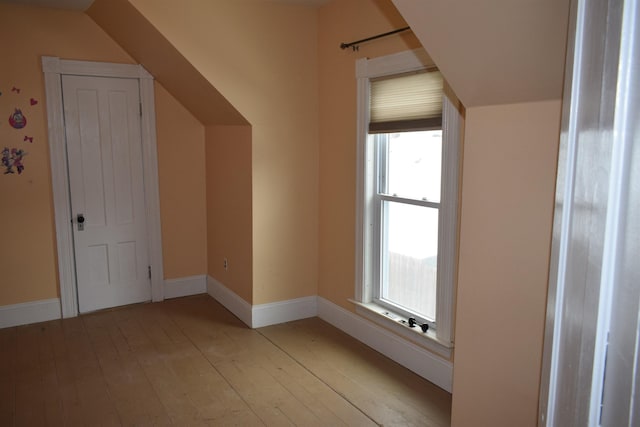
point(409, 258)
point(414, 165)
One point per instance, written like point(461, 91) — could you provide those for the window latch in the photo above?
point(413, 323)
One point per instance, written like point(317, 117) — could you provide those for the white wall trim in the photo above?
point(413, 357)
point(283, 311)
point(448, 220)
point(30, 312)
point(395, 323)
point(410, 60)
point(185, 286)
point(257, 316)
point(151, 184)
point(55, 65)
point(424, 363)
point(53, 69)
point(60, 186)
point(230, 300)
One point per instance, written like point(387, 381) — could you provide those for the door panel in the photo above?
point(104, 149)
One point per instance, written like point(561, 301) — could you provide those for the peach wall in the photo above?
point(507, 199)
point(262, 57)
point(344, 21)
point(181, 162)
point(28, 262)
point(228, 157)
point(509, 171)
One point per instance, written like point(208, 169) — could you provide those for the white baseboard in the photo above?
point(30, 312)
point(185, 286)
point(230, 300)
point(424, 363)
point(257, 316)
point(283, 311)
point(415, 358)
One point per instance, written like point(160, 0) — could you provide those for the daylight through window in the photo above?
point(407, 193)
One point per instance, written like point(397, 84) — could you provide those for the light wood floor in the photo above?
point(190, 362)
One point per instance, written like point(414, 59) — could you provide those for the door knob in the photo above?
point(80, 221)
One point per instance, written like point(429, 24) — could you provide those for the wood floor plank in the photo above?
point(159, 326)
point(261, 374)
point(201, 392)
point(133, 395)
point(189, 361)
point(306, 389)
point(7, 376)
point(189, 388)
point(361, 374)
point(29, 398)
point(53, 411)
point(323, 401)
point(67, 391)
point(85, 393)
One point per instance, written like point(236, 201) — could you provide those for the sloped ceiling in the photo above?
point(84, 4)
point(494, 51)
point(143, 42)
point(490, 51)
point(55, 4)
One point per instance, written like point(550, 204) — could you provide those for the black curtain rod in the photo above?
point(354, 45)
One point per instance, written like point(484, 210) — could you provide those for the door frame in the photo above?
point(54, 68)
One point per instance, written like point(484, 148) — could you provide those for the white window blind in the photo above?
point(408, 102)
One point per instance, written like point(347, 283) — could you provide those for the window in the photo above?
point(408, 143)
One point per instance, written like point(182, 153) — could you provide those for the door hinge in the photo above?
point(140, 105)
point(149, 270)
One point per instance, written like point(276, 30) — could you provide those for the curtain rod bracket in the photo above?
point(355, 45)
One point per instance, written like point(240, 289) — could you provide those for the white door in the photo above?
point(104, 149)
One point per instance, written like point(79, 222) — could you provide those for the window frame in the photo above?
point(381, 199)
point(439, 338)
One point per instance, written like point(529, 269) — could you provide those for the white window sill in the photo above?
point(397, 323)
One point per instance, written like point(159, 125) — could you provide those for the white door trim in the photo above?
point(53, 69)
